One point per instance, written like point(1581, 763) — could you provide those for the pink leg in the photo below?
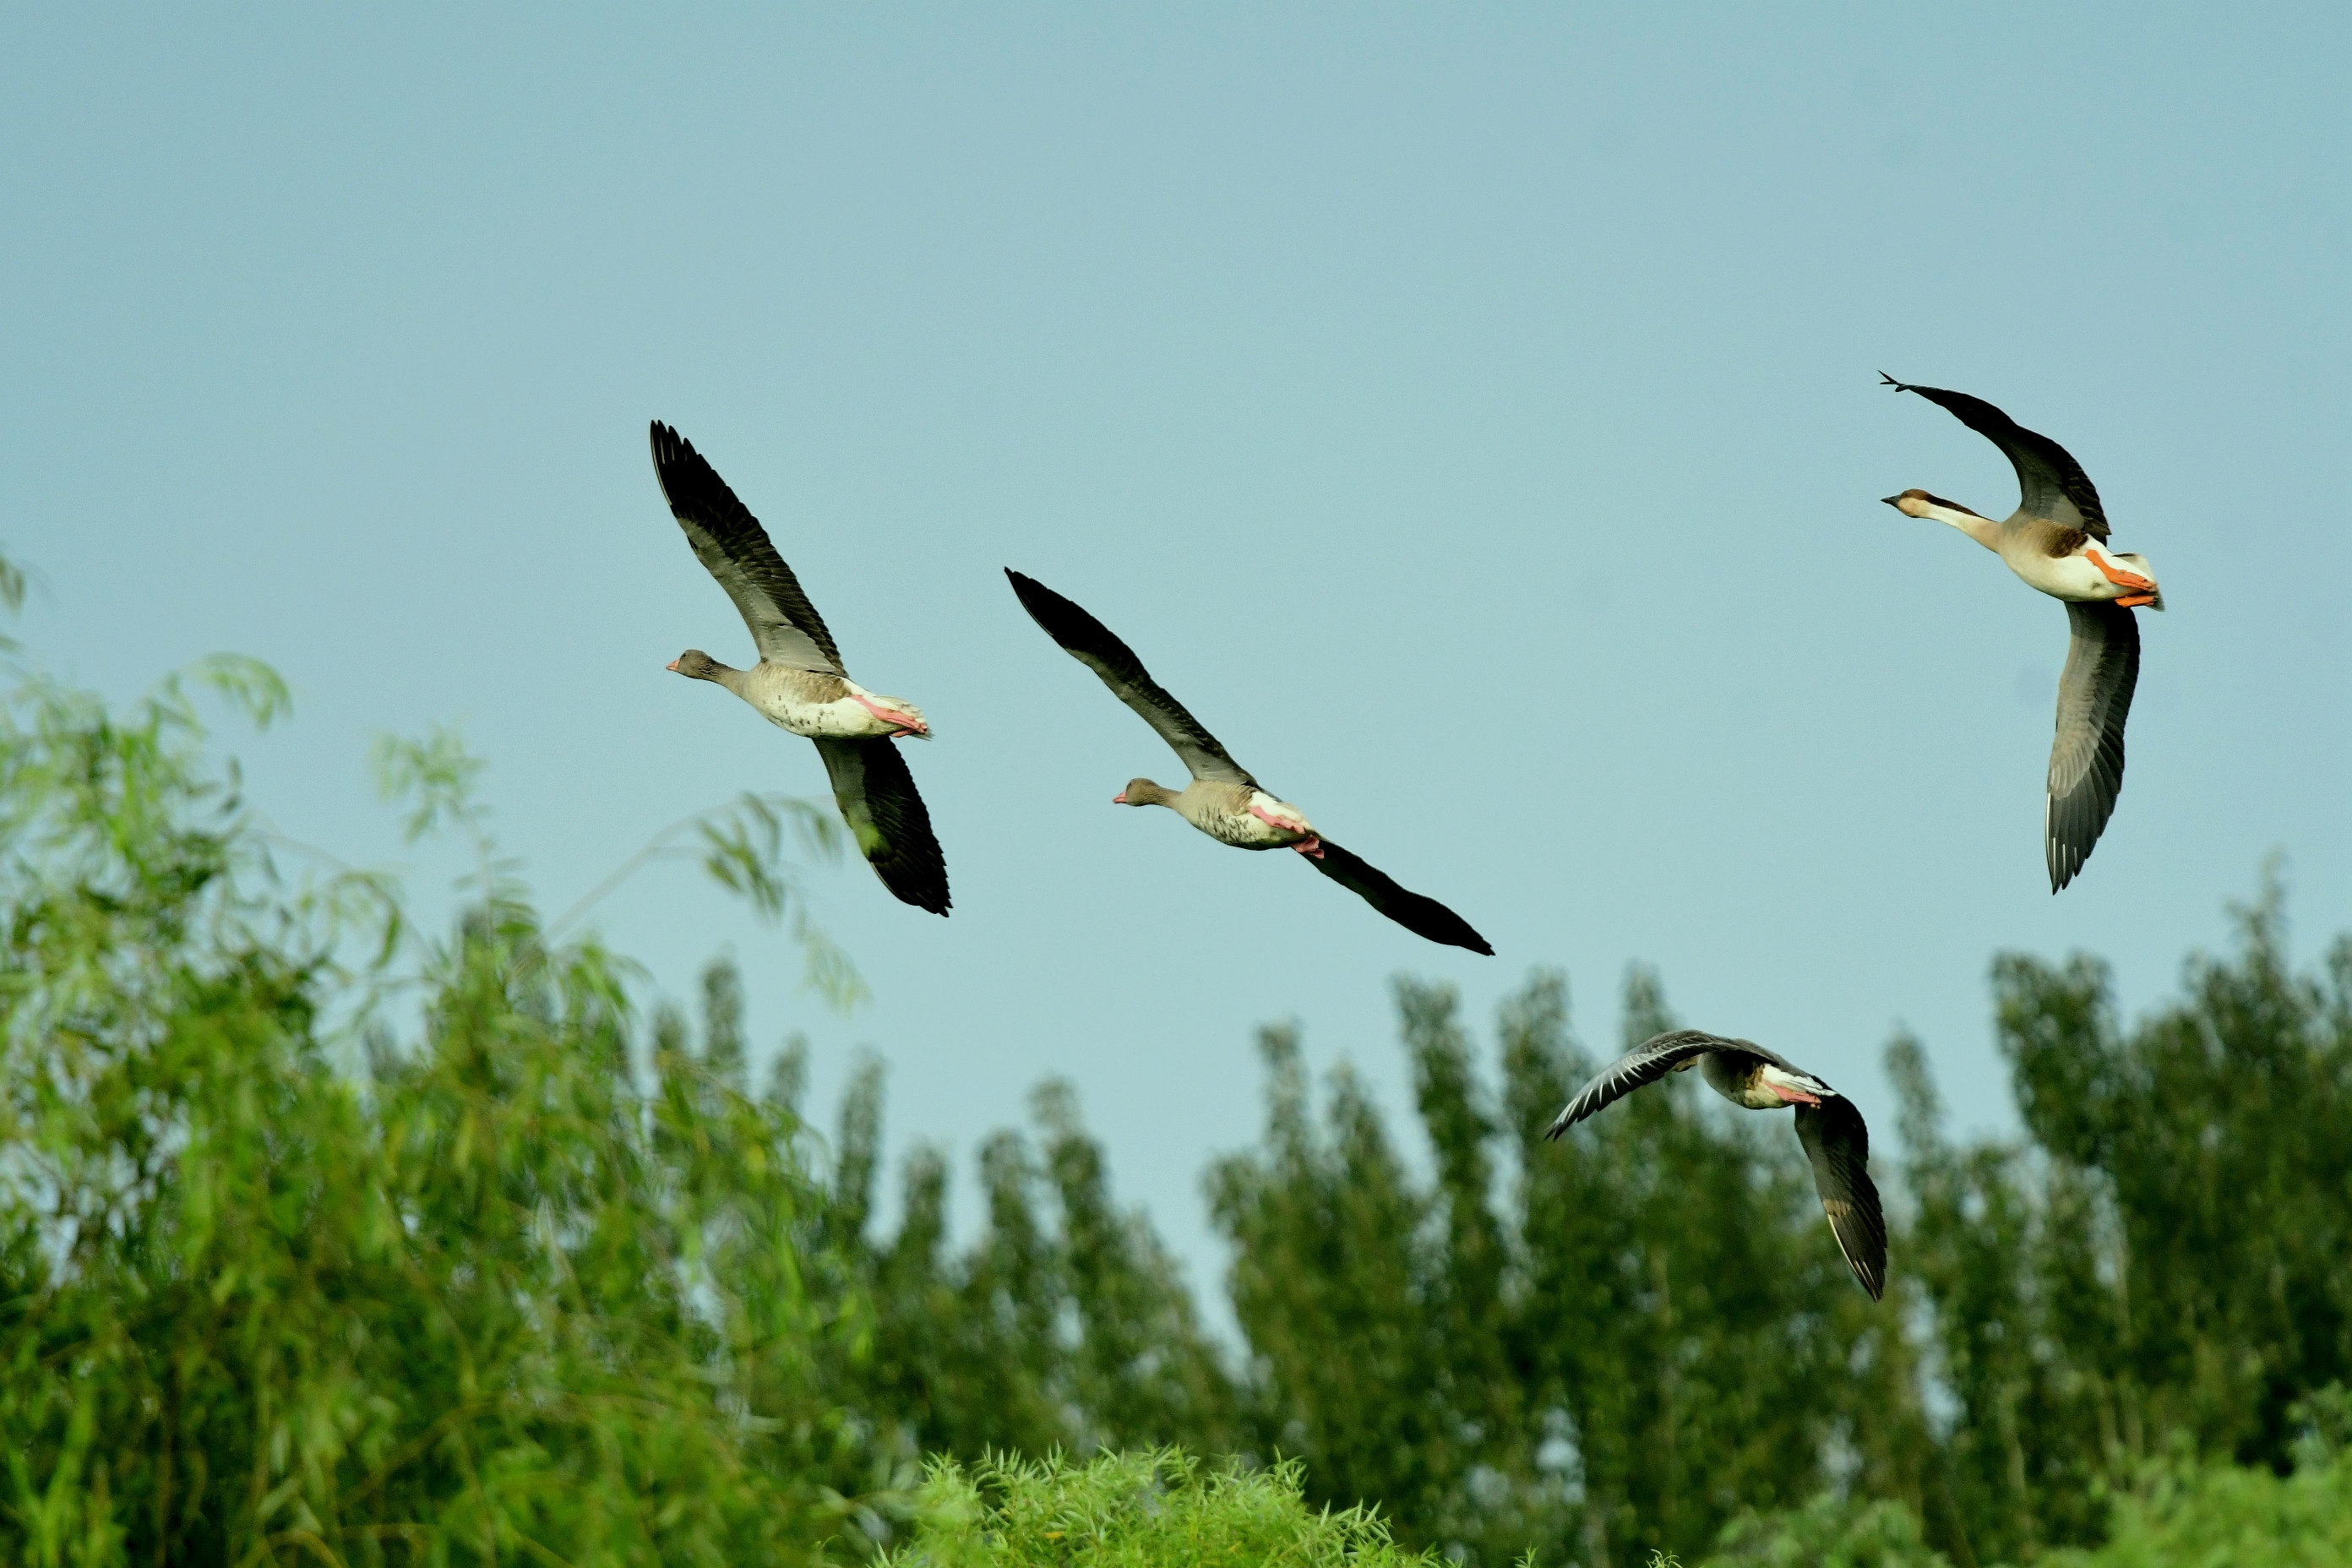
point(1793, 1096)
point(906, 726)
point(1310, 845)
point(1271, 820)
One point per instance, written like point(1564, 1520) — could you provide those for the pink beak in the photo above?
point(1119, 799)
point(671, 664)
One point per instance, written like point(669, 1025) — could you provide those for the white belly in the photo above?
point(1229, 820)
point(844, 720)
point(2075, 576)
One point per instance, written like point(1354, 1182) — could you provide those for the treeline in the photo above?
point(545, 1277)
point(1630, 1341)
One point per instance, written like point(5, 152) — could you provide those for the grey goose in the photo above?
point(1222, 800)
point(799, 683)
point(2056, 541)
point(1835, 1142)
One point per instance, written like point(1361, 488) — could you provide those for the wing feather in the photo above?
point(1643, 1065)
point(734, 549)
point(2052, 483)
point(877, 799)
point(1837, 1143)
point(1094, 645)
point(2087, 758)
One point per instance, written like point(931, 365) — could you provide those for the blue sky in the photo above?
point(1470, 413)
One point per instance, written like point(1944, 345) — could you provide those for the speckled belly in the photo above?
point(846, 720)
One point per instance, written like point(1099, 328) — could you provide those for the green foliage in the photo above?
point(2229, 1514)
point(740, 845)
point(499, 1300)
point(1155, 1510)
point(1608, 1345)
point(1639, 1337)
point(1065, 1326)
point(1829, 1532)
point(2165, 1262)
point(321, 1240)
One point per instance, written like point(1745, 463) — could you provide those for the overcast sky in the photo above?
point(1471, 414)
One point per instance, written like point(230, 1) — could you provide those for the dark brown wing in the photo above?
point(1417, 913)
point(2086, 758)
point(2052, 483)
point(1838, 1145)
point(734, 549)
point(1094, 645)
point(877, 799)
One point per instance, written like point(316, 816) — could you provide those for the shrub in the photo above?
point(1157, 1509)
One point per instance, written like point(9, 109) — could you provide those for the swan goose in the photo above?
point(2056, 541)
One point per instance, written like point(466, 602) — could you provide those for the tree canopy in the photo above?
point(322, 1238)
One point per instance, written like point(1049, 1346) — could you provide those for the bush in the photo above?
point(2225, 1514)
point(1157, 1509)
point(1828, 1533)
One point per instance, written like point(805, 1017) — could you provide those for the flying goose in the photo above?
point(2057, 540)
point(799, 683)
point(1222, 800)
point(1745, 1073)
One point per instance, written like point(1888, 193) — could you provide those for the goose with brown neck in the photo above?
point(1222, 800)
point(2056, 541)
point(799, 683)
point(1832, 1132)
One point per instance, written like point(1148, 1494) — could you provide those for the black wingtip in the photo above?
point(1889, 381)
point(1036, 597)
point(671, 451)
point(1067, 621)
point(912, 887)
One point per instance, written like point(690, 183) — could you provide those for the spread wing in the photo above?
point(1419, 914)
point(2052, 484)
point(734, 547)
point(1647, 1063)
point(877, 799)
point(1094, 645)
point(1838, 1145)
point(2086, 760)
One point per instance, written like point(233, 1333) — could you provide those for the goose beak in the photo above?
point(1119, 799)
point(671, 664)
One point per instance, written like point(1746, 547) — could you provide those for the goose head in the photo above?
point(1935, 507)
point(1919, 504)
point(1142, 792)
point(695, 665)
